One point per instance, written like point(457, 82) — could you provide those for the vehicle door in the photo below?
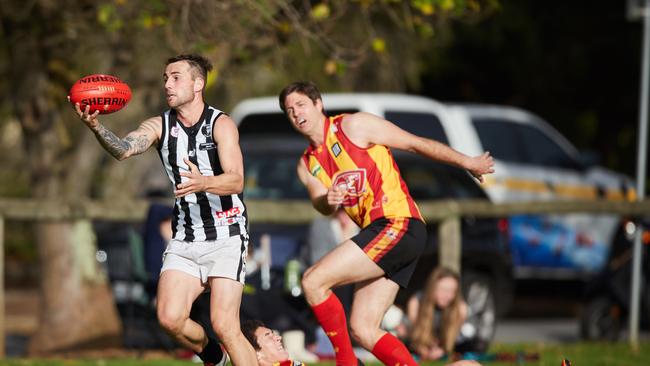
point(535, 163)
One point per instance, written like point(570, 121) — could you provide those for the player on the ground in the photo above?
point(267, 344)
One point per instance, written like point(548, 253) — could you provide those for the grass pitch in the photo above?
point(591, 354)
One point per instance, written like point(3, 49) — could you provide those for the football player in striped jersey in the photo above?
point(198, 146)
point(348, 164)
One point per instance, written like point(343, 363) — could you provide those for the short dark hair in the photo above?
point(307, 88)
point(200, 63)
point(248, 328)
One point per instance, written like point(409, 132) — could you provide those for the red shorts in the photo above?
point(395, 245)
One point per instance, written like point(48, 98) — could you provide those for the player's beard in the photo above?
point(179, 100)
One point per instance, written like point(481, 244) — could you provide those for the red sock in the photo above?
point(331, 316)
point(391, 351)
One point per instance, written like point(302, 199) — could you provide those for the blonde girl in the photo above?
point(437, 315)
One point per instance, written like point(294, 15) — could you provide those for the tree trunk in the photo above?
point(77, 308)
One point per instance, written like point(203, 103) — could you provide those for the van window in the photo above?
point(429, 180)
point(500, 139)
point(272, 175)
point(542, 150)
point(275, 123)
point(520, 143)
point(266, 123)
point(419, 123)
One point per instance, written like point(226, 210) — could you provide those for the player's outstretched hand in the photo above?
point(481, 165)
point(86, 117)
point(194, 183)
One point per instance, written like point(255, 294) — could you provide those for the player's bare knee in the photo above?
point(313, 288)
point(308, 272)
point(308, 281)
point(171, 322)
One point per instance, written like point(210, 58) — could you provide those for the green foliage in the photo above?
point(256, 48)
point(115, 15)
point(577, 70)
point(107, 16)
point(379, 45)
point(320, 12)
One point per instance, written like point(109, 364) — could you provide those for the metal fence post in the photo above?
point(2, 287)
point(640, 176)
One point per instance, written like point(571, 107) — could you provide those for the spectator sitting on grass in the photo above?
point(436, 315)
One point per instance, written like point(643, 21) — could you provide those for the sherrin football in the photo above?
point(103, 93)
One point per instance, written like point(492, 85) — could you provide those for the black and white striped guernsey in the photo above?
point(199, 216)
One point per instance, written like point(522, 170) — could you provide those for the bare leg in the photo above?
point(224, 313)
point(177, 291)
point(346, 264)
point(371, 300)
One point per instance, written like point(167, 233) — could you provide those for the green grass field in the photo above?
point(580, 354)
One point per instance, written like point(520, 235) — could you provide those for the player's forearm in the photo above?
point(119, 148)
point(225, 184)
point(440, 152)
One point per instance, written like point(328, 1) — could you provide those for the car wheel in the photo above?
point(601, 320)
point(480, 326)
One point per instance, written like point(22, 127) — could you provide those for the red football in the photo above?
point(104, 93)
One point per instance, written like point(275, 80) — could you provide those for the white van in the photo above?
point(533, 161)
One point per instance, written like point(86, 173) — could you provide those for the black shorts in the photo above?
point(395, 245)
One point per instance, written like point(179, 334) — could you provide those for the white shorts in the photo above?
point(204, 259)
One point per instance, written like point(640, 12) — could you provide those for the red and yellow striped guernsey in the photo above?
point(370, 176)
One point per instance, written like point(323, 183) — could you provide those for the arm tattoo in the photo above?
point(119, 148)
point(111, 143)
point(138, 144)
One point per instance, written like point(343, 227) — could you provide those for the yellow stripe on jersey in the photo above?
point(397, 206)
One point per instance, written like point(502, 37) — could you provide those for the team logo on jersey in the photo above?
point(174, 131)
point(336, 149)
point(354, 183)
point(206, 130)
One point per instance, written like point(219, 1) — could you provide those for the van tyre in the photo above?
point(479, 329)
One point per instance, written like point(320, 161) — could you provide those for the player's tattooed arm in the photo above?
point(136, 142)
